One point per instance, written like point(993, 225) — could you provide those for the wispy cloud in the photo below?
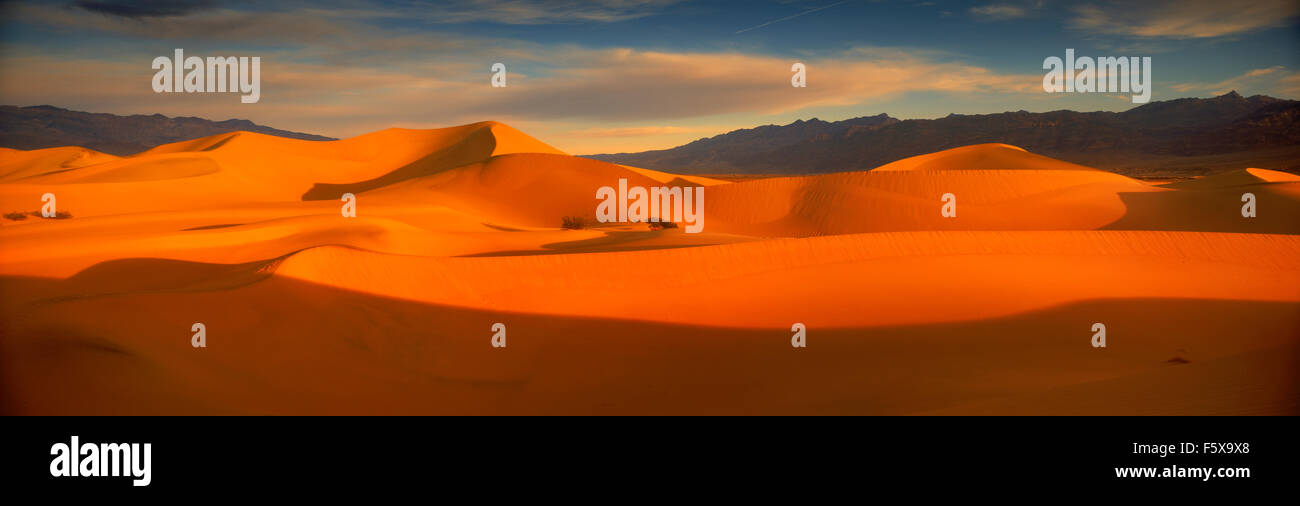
point(523, 12)
point(628, 85)
point(787, 18)
point(145, 8)
point(641, 131)
point(1289, 85)
point(339, 38)
point(511, 12)
point(1275, 80)
point(610, 86)
point(1184, 19)
point(998, 12)
point(217, 24)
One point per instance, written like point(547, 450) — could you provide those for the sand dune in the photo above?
point(243, 168)
point(458, 228)
point(892, 279)
point(997, 187)
point(17, 165)
point(981, 157)
point(1233, 178)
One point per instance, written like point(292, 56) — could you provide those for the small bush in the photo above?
point(58, 215)
point(662, 225)
point(15, 216)
point(573, 223)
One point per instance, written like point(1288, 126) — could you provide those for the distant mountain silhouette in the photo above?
point(1167, 130)
point(45, 126)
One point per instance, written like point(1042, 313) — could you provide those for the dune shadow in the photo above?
point(611, 242)
point(158, 275)
point(475, 147)
point(501, 228)
point(1210, 210)
point(288, 346)
point(211, 227)
point(221, 142)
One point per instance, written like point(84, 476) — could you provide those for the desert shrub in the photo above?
point(15, 216)
point(58, 215)
point(573, 223)
point(662, 225)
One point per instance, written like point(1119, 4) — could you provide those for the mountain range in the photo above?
point(45, 126)
point(1173, 138)
point(1169, 137)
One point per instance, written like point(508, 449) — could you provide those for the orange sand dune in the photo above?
point(1214, 203)
point(16, 165)
point(1035, 193)
point(891, 279)
point(980, 157)
point(278, 346)
point(1240, 177)
point(243, 168)
point(391, 311)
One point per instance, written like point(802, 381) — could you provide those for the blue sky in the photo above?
point(626, 75)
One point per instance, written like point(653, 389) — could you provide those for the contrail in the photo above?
point(787, 18)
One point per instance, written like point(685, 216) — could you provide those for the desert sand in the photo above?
point(391, 312)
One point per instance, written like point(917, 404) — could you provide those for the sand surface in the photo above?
point(391, 311)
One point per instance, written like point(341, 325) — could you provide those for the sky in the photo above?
point(631, 75)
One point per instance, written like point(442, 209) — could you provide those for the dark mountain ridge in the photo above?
point(45, 126)
point(1154, 134)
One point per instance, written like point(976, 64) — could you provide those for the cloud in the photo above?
point(525, 12)
point(579, 84)
point(998, 12)
point(787, 18)
point(641, 131)
point(1289, 86)
point(353, 28)
point(145, 8)
point(514, 12)
point(1276, 81)
point(339, 38)
point(630, 85)
point(221, 25)
point(1184, 19)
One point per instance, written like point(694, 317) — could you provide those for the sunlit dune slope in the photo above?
point(244, 168)
point(992, 156)
point(18, 165)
